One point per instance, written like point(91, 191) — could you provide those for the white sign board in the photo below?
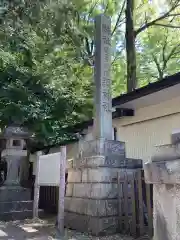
point(49, 170)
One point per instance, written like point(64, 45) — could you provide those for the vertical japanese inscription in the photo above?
point(105, 67)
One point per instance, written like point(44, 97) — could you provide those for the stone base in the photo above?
point(164, 173)
point(14, 193)
point(91, 202)
point(17, 210)
point(166, 212)
point(16, 206)
point(15, 203)
point(19, 215)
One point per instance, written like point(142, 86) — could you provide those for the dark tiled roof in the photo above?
point(148, 89)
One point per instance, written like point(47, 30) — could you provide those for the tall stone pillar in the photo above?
point(103, 100)
point(91, 197)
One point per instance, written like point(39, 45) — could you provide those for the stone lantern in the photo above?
point(15, 152)
point(15, 200)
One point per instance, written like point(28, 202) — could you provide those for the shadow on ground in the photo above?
point(44, 230)
point(21, 230)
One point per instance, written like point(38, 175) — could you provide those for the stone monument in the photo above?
point(103, 99)
point(163, 171)
point(91, 203)
point(15, 200)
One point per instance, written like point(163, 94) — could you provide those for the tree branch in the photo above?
point(92, 9)
point(158, 66)
point(174, 15)
point(169, 56)
point(164, 50)
point(118, 19)
point(107, 5)
point(166, 25)
point(172, 52)
point(153, 22)
point(116, 57)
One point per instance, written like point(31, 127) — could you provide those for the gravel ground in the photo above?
point(43, 230)
point(72, 235)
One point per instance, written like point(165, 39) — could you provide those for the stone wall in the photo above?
point(166, 212)
point(164, 173)
point(91, 203)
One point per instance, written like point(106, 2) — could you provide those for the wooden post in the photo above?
point(133, 205)
point(36, 187)
point(140, 202)
point(120, 197)
point(126, 201)
point(149, 210)
point(62, 191)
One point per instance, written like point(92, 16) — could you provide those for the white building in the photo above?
point(143, 119)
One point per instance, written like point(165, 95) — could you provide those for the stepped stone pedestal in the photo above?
point(91, 203)
point(15, 203)
point(164, 173)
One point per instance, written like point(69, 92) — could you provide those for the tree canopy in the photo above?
point(47, 57)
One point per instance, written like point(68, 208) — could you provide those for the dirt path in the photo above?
point(43, 230)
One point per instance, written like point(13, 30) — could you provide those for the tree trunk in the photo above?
point(130, 47)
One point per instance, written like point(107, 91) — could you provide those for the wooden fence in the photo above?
point(48, 200)
point(135, 204)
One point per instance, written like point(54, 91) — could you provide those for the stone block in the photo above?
point(16, 206)
point(93, 225)
point(74, 175)
point(14, 193)
point(15, 203)
point(85, 172)
point(100, 174)
point(19, 215)
point(95, 190)
point(115, 161)
point(165, 212)
point(111, 161)
point(166, 152)
point(103, 147)
point(100, 161)
point(69, 189)
point(69, 164)
point(92, 207)
point(167, 172)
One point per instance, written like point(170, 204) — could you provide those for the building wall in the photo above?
point(72, 150)
point(149, 127)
